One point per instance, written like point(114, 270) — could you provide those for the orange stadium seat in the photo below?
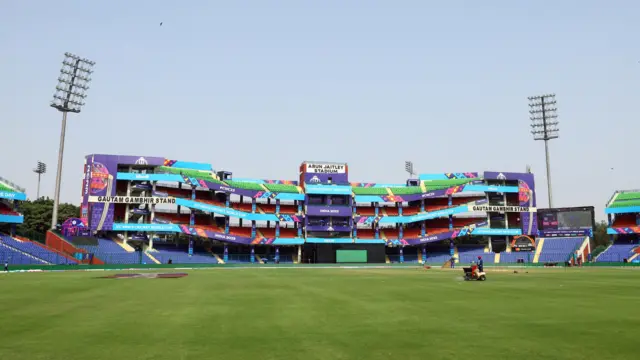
point(240, 231)
point(288, 209)
point(624, 220)
point(268, 208)
point(366, 234)
point(366, 210)
point(391, 233)
point(410, 210)
point(174, 218)
point(288, 233)
point(268, 232)
point(392, 211)
point(412, 233)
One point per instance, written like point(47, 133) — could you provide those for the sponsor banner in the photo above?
point(624, 230)
point(131, 200)
point(565, 233)
point(328, 228)
point(431, 238)
point(227, 237)
point(13, 195)
point(12, 219)
point(150, 177)
point(322, 210)
point(523, 243)
point(146, 227)
point(290, 196)
point(368, 199)
point(327, 189)
point(288, 241)
point(490, 208)
point(369, 241)
point(226, 211)
point(490, 188)
point(325, 168)
point(496, 232)
point(448, 176)
point(330, 240)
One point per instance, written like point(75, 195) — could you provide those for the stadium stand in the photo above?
point(558, 250)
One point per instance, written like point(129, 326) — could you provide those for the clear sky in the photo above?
point(257, 87)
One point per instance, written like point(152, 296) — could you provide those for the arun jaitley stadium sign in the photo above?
point(132, 200)
point(320, 168)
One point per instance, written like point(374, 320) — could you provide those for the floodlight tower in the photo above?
point(544, 126)
point(408, 167)
point(40, 169)
point(71, 91)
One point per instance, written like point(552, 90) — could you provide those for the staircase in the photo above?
point(152, 257)
point(497, 258)
point(536, 257)
point(220, 260)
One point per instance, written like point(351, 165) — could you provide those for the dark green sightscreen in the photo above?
point(351, 256)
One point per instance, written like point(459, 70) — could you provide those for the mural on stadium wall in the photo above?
point(75, 227)
point(101, 182)
point(526, 196)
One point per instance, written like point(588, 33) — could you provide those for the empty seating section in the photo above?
point(284, 188)
point(4, 210)
point(239, 231)
point(514, 256)
point(437, 255)
point(366, 234)
point(412, 233)
point(268, 232)
point(444, 184)
point(620, 250)
point(407, 190)
point(178, 193)
point(558, 250)
point(173, 217)
point(182, 257)
point(39, 251)
point(245, 185)
point(268, 208)
point(16, 257)
point(288, 209)
point(370, 191)
point(112, 253)
point(242, 207)
point(390, 233)
point(366, 211)
point(624, 220)
point(469, 253)
point(204, 175)
point(288, 233)
point(390, 211)
point(410, 210)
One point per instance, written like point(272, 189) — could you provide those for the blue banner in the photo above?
point(146, 227)
point(13, 195)
point(150, 177)
point(327, 189)
point(192, 165)
point(226, 211)
point(368, 198)
point(496, 232)
point(290, 196)
point(622, 210)
point(12, 219)
point(330, 240)
point(370, 241)
point(289, 241)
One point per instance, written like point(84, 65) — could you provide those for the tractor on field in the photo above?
point(472, 273)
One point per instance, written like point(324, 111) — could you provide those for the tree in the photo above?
point(600, 237)
point(38, 214)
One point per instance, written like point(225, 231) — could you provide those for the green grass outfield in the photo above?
point(306, 313)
